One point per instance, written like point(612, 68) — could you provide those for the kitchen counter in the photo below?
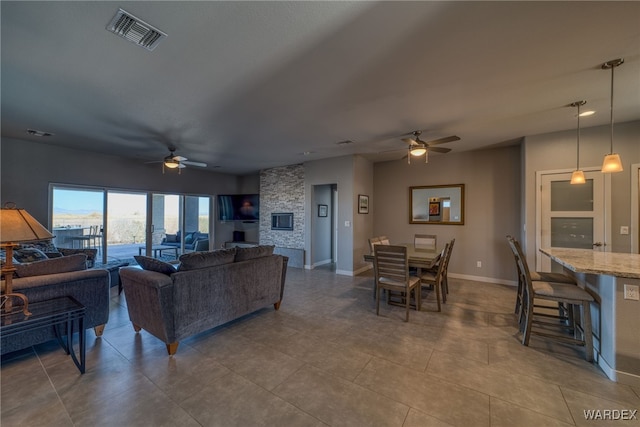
point(593, 262)
point(615, 318)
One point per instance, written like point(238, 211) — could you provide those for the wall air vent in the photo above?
point(135, 30)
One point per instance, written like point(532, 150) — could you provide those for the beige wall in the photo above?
point(557, 150)
point(492, 207)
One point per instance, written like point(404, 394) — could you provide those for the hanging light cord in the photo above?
point(578, 138)
point(612, 67)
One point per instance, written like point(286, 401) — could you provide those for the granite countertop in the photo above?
point(593, 262)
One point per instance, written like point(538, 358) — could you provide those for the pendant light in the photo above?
point(612, 162)
point(577, 177)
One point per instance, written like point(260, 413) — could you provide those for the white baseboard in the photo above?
point(483, 279)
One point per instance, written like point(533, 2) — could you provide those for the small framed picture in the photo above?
point(363, 204)
point(322, 210)
point(434, 208)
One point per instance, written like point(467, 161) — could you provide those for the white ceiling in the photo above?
point(252, 85)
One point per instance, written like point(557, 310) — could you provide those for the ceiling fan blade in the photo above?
point(439, 149)
point(199, 164)
point(181, 166)
point(445, 139)
point(179, 158)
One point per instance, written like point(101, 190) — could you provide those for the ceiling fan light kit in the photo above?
point(418, 147)
point(612, 162)
point(178, 162)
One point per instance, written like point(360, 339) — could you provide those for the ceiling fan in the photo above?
point(418, 147)
point(178, 162)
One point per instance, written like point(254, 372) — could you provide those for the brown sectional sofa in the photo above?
point(208, 289)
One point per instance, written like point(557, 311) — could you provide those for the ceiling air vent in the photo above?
point(135, 30)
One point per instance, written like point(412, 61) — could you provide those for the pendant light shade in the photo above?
point(578, 176)
point(612, 162)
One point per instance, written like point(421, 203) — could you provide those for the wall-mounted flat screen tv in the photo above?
point(239, 207)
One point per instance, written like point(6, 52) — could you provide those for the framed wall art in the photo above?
point(363, 204)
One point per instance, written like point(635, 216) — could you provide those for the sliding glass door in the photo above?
point(129, 223)
point(126, 224)
point(75, 214)
point(179, 221)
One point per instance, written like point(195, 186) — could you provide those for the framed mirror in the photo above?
point(437, 204)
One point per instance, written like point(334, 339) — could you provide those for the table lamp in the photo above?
point(16, 225)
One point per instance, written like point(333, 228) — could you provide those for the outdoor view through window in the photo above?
point(117, 220)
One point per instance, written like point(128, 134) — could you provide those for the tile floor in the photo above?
point(324, 359)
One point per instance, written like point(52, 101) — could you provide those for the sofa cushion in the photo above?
point(63, 264)
point(29, 255)
point(153, 264)
point(196, 260)
point(244, 254)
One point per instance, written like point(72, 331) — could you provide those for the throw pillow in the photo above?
point(29, 255)
point(244, 254)
point(188, 239)
point(171, 238)
point(195, 260)
point(52, 266)
point(45, 246)
point(153, 264)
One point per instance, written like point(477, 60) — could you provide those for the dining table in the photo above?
point(419, 257)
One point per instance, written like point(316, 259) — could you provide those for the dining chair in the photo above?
point(392, 273)
point(576, 298)
point(536, 276)
point(434, 277)
point(81, 239)
point(95, 234)
point(445, 274)
point(380, 240)
point(425, 240)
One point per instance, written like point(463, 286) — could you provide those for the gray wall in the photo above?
point(492, 207)
point(28, 168)
point(321, 226)
point(339, 171)
point(558, 151)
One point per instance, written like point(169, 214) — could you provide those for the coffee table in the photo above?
point(158, 249)
point(61, 313)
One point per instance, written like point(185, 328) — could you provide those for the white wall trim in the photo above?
point(483, 279)
point(635, 218)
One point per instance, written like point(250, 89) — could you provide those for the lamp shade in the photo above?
point(612, 163)
point(16, 225)
point(577, 177)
